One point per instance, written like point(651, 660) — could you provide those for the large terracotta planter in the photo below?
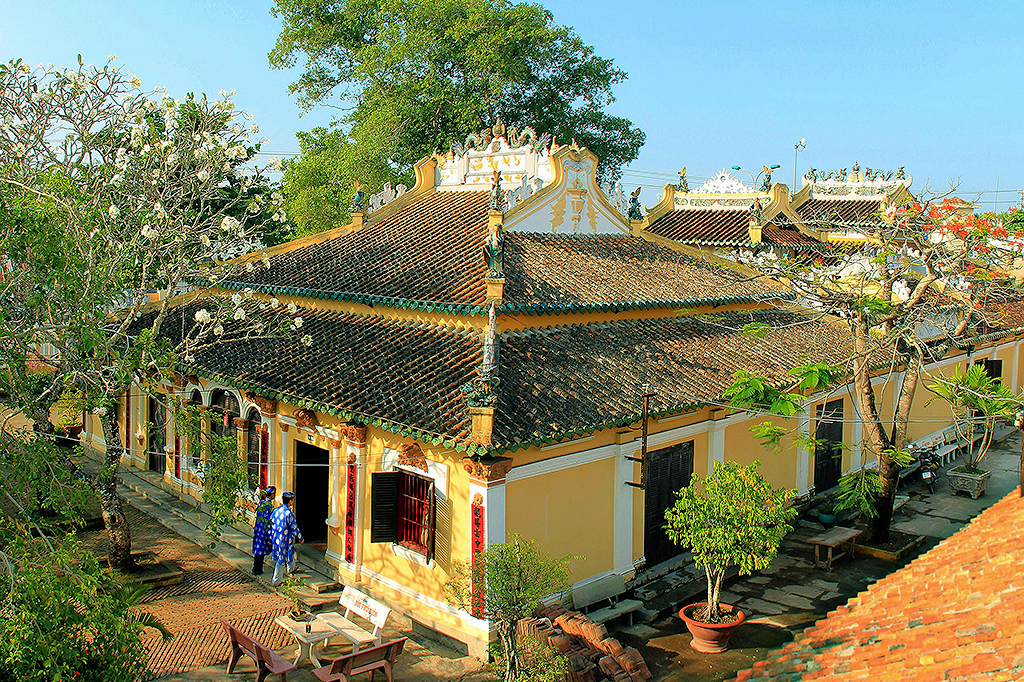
point(707, 637)
point(973, 484)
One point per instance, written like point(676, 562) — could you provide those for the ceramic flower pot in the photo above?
point(826, 519)
point(710, 638)
point(972, 484)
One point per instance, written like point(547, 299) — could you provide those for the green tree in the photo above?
point(732, 517)
point(113, 201)
point(412, 78)
point(505, 584)
point(928, 278)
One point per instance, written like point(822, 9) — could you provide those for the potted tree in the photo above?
point(826, 510)
point(732, 517)
point(977, 401)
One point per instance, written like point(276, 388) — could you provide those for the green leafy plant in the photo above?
point(505, 584)
point(977, 401)
point(732, 517)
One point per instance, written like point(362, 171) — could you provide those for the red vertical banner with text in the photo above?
point(478, 546)
point(350, 513)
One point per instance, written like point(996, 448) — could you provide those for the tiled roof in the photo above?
point(358, 367)
point(431, 249)
point(954, 613)
point(704, 226)
point(726, 227)
point(840, 211)
point(559, 380)
point(589, 272)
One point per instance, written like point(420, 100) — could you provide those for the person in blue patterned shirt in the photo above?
point(261, 530)
point(284, 530)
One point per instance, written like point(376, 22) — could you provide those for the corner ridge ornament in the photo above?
point(479, 391)
point(487, 468)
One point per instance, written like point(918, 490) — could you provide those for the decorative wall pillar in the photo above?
point(334, 521)
point(355, 495)
point(625, 470)
point(283, 469)
point(241, 438)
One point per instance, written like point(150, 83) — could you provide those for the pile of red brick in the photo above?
point(592, 654)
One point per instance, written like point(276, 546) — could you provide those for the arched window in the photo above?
point(225, 410)
point(252, 447)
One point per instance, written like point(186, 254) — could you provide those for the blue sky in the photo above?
point(936, 87)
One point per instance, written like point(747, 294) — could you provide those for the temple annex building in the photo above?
point(478, 363)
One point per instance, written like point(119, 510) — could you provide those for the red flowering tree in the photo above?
point(928, 277)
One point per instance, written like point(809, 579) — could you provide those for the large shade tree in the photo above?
point(410, 78)
point(112, 201)
point(930, 278)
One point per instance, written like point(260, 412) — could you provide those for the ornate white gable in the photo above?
point(573, 202)
point(723, 182)
point(855, 184)
point(521, 157)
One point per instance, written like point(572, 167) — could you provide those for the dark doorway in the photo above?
point(311, 496)
point(828, 455)
point(157, 435)
point(668, 470)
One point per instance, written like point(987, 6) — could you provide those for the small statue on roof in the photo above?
point(766, 184)
point(496, 200)
point(900, 175)
point(357, 200)
point(683, 186)
point(755, 211)
point(634, 206)
point(493, 251)
point(855, 175)
point(499, 128)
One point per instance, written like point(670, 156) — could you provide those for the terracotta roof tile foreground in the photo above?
point(954, 613)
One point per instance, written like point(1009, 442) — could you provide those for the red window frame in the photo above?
point(415, 512)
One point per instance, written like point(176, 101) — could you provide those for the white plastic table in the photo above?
point(319, 632)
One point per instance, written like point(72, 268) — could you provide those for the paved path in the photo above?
point(792, 594)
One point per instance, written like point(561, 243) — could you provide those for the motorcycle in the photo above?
point(930, 468)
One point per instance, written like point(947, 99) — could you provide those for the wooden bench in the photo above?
point(382, 656)
point(843, 538)
point(370, 610)
point(267, 661)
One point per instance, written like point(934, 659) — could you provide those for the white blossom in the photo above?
point(247, 292)
point(249, 267)
point(274, 163)
point(205, 239)
point(115, 179)
point(136, 82)
point(203, 315)
point(114, 211)
point(274, 302)
point(172, 159)
point(239, 313)
point(149, 232)
point(219, 330)
point(266, 261)
point(255, 129)
point(307, 340)
point(292, 308)
point(297, 322)
point(228, 223)
point(190, 358)
point(100, 411)
point(203, 175)
point(236, 299)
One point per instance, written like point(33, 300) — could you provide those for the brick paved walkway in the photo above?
point(211, 589)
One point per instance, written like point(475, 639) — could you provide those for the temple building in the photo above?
point(481, 349)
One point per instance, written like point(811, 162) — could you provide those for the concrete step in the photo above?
point(234, 543)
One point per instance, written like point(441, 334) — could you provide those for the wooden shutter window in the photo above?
point(443, 533)
point(384, 506)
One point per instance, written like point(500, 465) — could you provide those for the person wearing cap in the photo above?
point(261, 529)
point(284, 531)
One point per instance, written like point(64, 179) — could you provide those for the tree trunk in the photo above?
point(877, 440)
point(507, 633)
point(119, 536)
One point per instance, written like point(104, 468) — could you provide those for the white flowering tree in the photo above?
point(930, 277)
point(115, 203)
